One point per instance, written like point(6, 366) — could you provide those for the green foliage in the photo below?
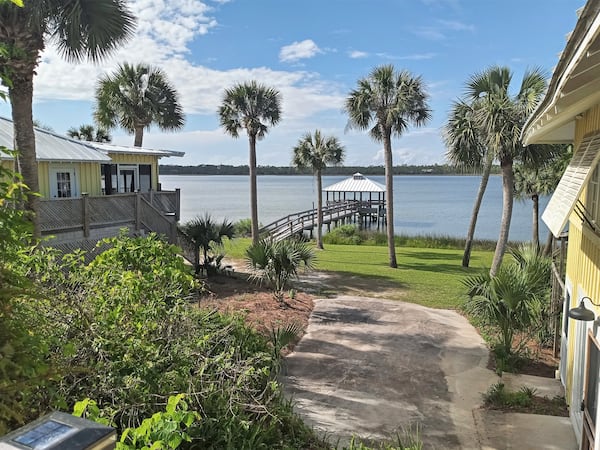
point(498, 396)
point(345, 235)
point(243, 228)
point(21, 350)
point(165, 430)
point(278, 262)
point(204, 233)
point(121, 330)
point(512, 301)
point(407, 439)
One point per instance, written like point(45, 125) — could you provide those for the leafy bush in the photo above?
point(498, 396)
point(243, 228)
point(511, 302)
point(344, 235)
point(121, 330)
point(278, 262)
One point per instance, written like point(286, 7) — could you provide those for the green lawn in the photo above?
point(429, 277)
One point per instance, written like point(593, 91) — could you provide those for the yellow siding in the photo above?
point(44, 178)
point(583, 259)
point(120, 158)
point(89, 178)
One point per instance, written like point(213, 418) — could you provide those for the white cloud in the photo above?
point(357, 54)
point(299, 50)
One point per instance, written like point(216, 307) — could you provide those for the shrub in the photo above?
point(344, 235)
point(122, 331)
point(278, 262)
point(243, 228)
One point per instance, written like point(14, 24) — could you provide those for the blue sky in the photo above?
point(313, 52)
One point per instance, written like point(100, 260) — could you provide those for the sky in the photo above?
point(313, 52)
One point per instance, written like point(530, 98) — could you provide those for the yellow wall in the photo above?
point(88, 177)
point(583, 259)
point(120, 158)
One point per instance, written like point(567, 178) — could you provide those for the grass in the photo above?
point(426, 276)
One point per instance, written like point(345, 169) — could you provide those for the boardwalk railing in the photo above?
point(307, 220)
point(87, 216)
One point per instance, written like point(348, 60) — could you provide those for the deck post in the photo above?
point(177, 204)
point(152, 197)
point(138, 211)
point(86, 214)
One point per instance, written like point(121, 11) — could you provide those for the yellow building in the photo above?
point(69, 168)
point(570, 114)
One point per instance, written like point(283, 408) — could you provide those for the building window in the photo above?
point(63, 185)
point(593, 195)
point(145, 177)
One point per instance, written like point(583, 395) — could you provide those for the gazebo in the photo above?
point(369, 194)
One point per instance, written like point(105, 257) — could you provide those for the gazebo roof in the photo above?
point(356, 183)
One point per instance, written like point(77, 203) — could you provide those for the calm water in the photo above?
point(423, 205)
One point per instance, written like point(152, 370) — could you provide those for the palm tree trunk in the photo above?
point(139, 136)
point(548, 246)
point(507, 205)
point(21, 98)
point(536, 220)
point(253, 190)
point(389, 188)
point(319, 210)
point(485, 177)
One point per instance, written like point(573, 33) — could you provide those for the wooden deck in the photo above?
point(307, 220)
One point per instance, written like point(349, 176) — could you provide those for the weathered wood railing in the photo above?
point(307, 220)
point(80, 218)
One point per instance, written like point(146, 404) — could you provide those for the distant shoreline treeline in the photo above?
point(211, 169)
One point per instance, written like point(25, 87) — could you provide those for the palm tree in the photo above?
point(500, 118)
point(466, 149)
point(136, 97)
point(533, 181)
point(253, 107)
point(89, 133)
point(204, 233)
point(316, 152)
point(388, 102)
point(80, 29)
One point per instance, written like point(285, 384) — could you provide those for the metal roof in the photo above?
point(356, 183)
point(52, 147)
point(111, 148)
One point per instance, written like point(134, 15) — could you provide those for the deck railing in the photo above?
point(151, 211)
point(305, 220)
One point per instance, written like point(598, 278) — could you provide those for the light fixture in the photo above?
point(581, 312)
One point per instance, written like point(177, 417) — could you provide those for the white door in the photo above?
point(128, 178)
point(63, 182)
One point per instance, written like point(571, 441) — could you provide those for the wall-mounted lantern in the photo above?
point(581, 312)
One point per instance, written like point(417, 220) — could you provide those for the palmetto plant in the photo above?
point(316, 152)
point(206, 234)
point(277, 262)
point(252, 107)
point(136, 97)
point(386, 103)
point(512, 300)
point(80, 29)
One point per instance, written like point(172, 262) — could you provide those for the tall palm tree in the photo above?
point(467, 149)
point(533, 181)
point(500, 117)
point(80, 29)
point(388, 102)
point(316, 152)
point(253, 107)
point(136, 97)
point(89, 133)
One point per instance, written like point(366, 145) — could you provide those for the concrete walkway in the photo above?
point(370, 367)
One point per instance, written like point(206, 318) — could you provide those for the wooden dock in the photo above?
point(335, 213)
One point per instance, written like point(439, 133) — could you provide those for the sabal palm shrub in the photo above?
point(276, 263)
point(513, 301)
point(206, 234)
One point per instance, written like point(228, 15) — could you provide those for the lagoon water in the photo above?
point(423, 205)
